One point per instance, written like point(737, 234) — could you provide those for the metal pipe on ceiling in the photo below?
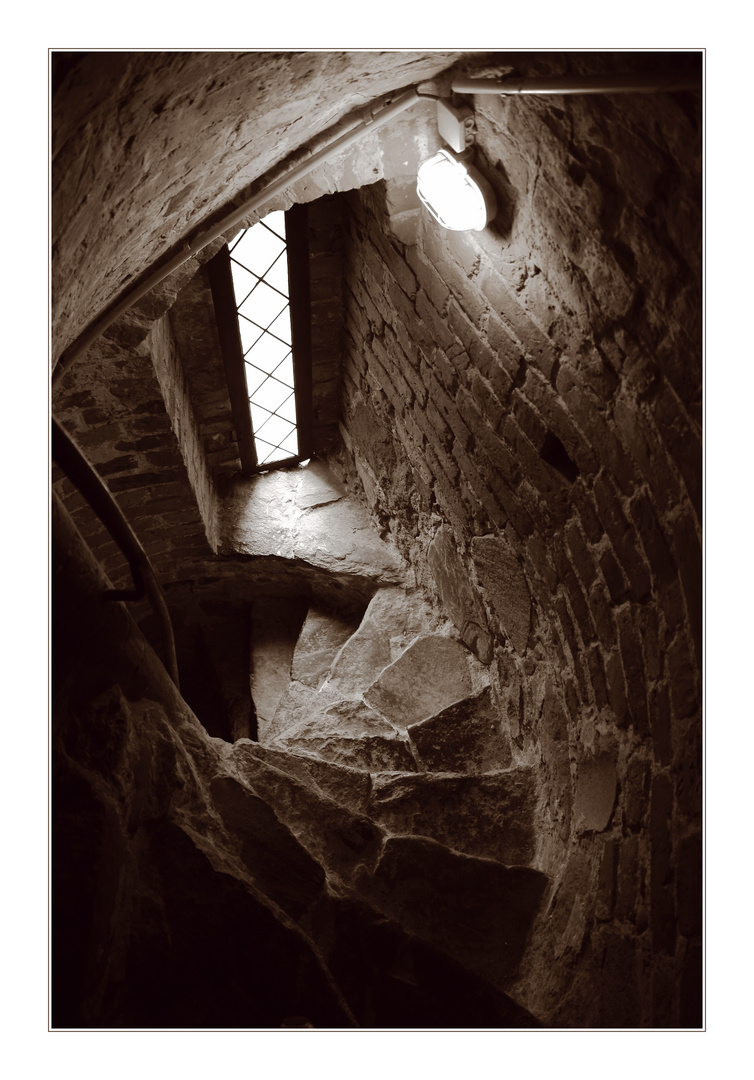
point(640, 82)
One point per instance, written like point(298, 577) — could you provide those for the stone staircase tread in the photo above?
point(431, 674)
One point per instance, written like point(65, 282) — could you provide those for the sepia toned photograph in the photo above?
point(376, 557)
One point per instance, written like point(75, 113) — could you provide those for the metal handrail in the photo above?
point(74, 464)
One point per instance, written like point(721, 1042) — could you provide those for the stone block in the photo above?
point(276, 623)
point(474, 910)
point(456, 594)
point(606, 881)
point(430, 675)
point(466, 737)
point(279, 865)
point(661, 869)
point(628, 879)
point(594, 797)
point(636, 792)
point(391, 615)
point(368, 752)
point(489, 816)
point(321, 639)
point(501, 577)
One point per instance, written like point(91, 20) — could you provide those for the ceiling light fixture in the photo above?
point(455, 193)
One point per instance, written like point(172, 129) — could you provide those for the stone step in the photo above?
point(490, 816)
point(466, 737)
point(393, 620)
point(472, 909)
point(323, 635)
point(341, 841)
point(434, 672)
point(275, 627)
point(345, 785)
point(370, 753)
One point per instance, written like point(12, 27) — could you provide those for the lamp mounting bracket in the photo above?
point(456, 124)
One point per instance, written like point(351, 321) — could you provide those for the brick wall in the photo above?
point(539, 384)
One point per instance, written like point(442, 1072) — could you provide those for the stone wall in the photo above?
point(523, 409)
point(146, 146)
point(521, 413)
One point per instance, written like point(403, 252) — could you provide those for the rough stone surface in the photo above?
point(501, 578)
point(276, 623)
point(372, 753)
point(322, 636)
point(346, 786)
point(594, 798)
point(278, 513)
point(474, 908)
point(300, 709)
point(490, 816)
point(456, 594)
point(318, 487)
point(430, 675)
point(392, 620)
point(466, 737)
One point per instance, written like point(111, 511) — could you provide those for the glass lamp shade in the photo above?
point(456, 194)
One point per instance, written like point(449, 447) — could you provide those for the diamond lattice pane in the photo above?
point(281, 327)
point(267, 353)
point(277, 275)
point(272, 395)
point(258, 249)
point(250, 334)
point(275, 429)
point(243, 281)
point(263, 305)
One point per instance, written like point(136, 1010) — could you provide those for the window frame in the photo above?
point(223, 297)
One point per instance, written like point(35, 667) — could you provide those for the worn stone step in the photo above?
point(275, 627)
point(300, 709)
point(370, 753)
point(341, 841)
point(391, 622)
point(470, 908)
point(489, 816)
point(345, 785)
point(474, 910)
point(466, 737)
point(323, 635)
point(434, 672)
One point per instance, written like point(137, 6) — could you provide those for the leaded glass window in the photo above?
point(259, 269)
